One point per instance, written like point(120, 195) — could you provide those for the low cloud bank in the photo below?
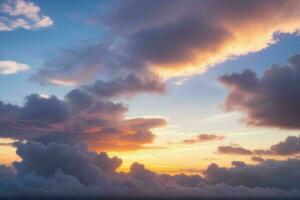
point(62, 170)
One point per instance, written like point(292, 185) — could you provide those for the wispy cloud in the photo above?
point(203, 138)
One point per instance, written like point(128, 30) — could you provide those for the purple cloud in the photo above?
point(271, 100)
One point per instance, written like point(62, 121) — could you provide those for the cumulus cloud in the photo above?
point(172, 38)
point(272, 100)
point(265, 174)
point(40, 109)
point(204, 138)
point(8, 67)
point(290, 146)
point(61, 156)
point(75, 171)
point(24, 14)
point(80, 116)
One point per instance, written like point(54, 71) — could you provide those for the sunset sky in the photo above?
point(173, 85)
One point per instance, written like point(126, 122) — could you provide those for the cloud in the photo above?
point(127, 86)
point(234, 150)
point(257, 159)
point(81, 64)
point(61, 156)
point(171, 38)
point(8, 67)
point(49, 110)
point(271, 100)
point(204, 138)
point(269, 173)
point(24, 14)
point(290, 146)
point(187, 37)
point(80, 116)
point(238, 163)
point(74, 171)
point(72, 65)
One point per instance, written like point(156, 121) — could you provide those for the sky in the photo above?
point(149, 98)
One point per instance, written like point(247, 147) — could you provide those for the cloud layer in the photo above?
point(75, 171)
point(15, 14)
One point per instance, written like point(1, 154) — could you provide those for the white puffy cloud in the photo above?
point(22, 14)
point(8, 67)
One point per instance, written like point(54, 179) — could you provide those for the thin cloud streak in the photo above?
point(201, 138)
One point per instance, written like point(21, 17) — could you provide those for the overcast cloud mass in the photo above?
point(75, 171)
point(64, 142)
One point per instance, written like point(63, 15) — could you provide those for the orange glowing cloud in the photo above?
point(235, 29)
point(174, 38)
point(80, 117)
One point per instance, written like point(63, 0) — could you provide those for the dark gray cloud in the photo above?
point(74, 171)
point(204, 138)
point(272, 100)
point(50, 110)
